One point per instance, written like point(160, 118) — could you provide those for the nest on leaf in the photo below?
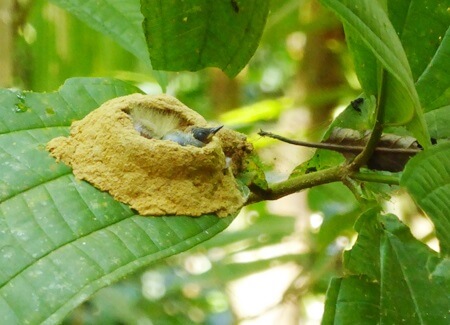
point(155, 177)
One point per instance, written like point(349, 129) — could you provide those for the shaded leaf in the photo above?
point(364, 61)
point(438, 121)
point(395, 262)
point(352, 300)
point(60, 238)
point(440, 269)
point(192, 35)
point(364, 257)
point(408, 291)
point(427, 179)
point(368, 27)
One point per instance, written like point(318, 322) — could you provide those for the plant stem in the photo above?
point(377, 129)
point(339, 173)
point(298, 183)
point(376, 178)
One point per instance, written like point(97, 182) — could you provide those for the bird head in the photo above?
point(193, 135)
point(204, 134)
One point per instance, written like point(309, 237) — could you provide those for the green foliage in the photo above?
point(373, 39)
point(389, 281)
point(339, 209)
point(121, 20)
point(437, 121)
point(61, 239)
point(51, 258)
point(427, 178)
point(201, 34)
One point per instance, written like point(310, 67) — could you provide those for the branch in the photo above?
point(334, 174)
point(377, 129)
point(336, 147)
point(298, 183)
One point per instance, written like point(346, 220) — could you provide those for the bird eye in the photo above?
point(201, 134)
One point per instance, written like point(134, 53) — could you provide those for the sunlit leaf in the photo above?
point(265, 110)
point(357, 115)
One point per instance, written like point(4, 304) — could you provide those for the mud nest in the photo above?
point(155, 177)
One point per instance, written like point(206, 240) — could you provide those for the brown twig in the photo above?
point(339, 173)
point(336, 147)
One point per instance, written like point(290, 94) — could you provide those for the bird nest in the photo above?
point(154, 176)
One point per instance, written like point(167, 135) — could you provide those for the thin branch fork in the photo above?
point(334, 174)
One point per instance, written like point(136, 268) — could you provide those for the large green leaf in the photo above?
point(60, 238)
point(371, 35)
point(389, 262)
point(427, 178)
point(191, 35)
point(409, 293)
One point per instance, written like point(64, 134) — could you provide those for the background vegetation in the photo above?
point(305, 70)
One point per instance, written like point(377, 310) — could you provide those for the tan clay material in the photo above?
point(155, 177)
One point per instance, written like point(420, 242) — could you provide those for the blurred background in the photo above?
point(274, 263)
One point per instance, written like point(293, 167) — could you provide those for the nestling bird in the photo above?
point(156, 124)
point(194, 136)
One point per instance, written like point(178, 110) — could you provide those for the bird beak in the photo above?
point(205, 134)
point(213, 131)
point(216, 129)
